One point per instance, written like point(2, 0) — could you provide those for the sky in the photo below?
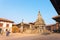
point(16, 10)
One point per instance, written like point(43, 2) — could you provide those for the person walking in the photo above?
point(7, 33)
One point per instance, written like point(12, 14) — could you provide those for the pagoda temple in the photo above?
point(55, 27)
point(36, 27)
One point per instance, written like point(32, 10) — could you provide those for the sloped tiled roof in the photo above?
point(6, 20)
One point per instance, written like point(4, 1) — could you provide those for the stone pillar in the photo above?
point(31, 28)
point(44, 29)
point(21, 27)
point(39, 29)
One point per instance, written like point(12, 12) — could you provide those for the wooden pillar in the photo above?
point(57, 26)
point(52, 28)
point(30, 28)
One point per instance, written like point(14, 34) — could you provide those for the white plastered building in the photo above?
point(5, 24)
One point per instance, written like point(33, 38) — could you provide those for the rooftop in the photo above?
point(57, 18)
point(6, 20)
point(56, 4)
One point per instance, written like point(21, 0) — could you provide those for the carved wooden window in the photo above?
point(7, 25)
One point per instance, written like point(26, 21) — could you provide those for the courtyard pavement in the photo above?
point(19, 36)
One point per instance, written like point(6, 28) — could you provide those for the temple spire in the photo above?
point(39, 19)
point(39, 15)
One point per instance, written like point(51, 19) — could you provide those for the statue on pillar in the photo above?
point(22, 26)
